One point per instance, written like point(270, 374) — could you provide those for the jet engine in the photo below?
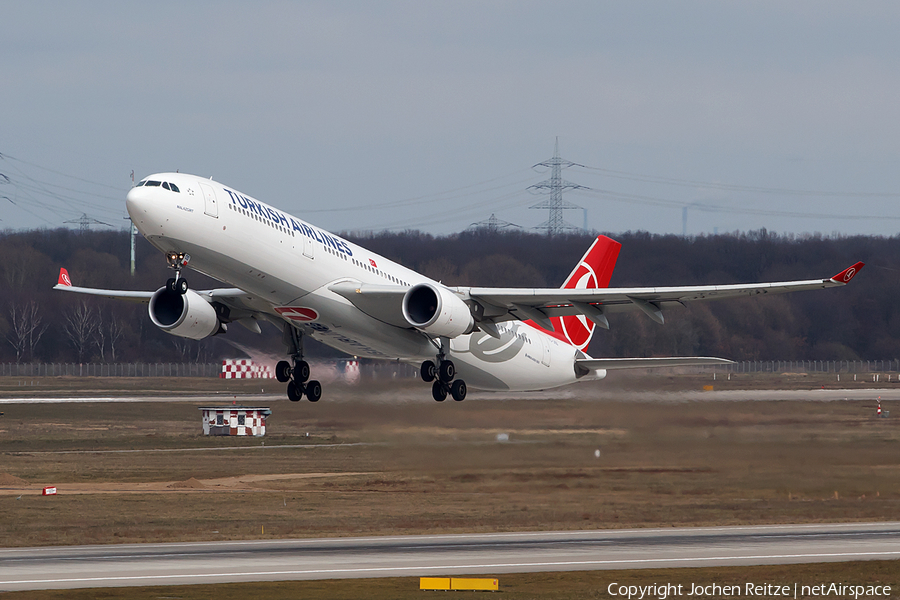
point(186, 315)
point(437, 311)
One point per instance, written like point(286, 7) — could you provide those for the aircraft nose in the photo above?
point(136, 201)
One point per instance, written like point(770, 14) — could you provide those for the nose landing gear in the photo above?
point(177, 261)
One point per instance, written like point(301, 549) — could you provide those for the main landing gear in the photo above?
point(296, 373)
point(443, 375)
point(177, 261)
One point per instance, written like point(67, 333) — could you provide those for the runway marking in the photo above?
point(445, 567)
point(461, 536)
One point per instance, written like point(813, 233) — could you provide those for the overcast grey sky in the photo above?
point(429, 115)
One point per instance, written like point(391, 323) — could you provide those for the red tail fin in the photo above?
point(593, 271)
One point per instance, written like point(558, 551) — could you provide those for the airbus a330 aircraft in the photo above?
point(314, 283)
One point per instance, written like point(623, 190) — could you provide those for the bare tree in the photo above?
point(183, 347)
point(26, 329)
point(98, 337)
point(191, 350)
point(116, 330)
point(79, 327)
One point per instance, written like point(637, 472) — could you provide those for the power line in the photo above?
point(649, 200)
point(731, 187)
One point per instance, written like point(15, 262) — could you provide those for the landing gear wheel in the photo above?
point(427, 371)
point(294, 392)
point(283, 371)
point(439, 391)
point(170, 285)
point(181, 286)
point(301, 372)
point(313, 391)
point(458, 390)
point(447, 371)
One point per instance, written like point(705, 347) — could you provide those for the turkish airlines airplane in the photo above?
point(314, 283)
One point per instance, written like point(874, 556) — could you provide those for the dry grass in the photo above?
point(426, 467)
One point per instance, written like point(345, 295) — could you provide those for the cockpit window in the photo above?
point(153, 183)
point(174, 188)
point(165, 185)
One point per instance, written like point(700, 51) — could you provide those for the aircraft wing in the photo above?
point(65, 284)
point(383, 302)
point(539, 304)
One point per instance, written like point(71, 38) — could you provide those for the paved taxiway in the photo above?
point(490, 554)
point(573, 392)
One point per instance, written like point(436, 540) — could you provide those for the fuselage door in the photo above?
point(545, 345)
point(308, 248)
point(210, 206)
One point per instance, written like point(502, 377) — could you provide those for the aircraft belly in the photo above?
point(341, 325)
point(516, 362)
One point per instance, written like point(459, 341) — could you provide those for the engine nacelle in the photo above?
point(437, 311)
point(186, 315)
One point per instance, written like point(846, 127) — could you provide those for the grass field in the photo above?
point(391, 462)
point(386, 460)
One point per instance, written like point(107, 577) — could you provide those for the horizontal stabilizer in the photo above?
point(650, 363)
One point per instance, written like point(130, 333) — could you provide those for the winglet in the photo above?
point(849, 273)
point(64, 278)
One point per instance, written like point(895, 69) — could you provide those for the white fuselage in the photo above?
point(287, 266)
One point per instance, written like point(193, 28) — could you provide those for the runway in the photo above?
point(573, 392)
point(487, 554)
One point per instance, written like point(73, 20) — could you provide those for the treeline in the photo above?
point(856, 322)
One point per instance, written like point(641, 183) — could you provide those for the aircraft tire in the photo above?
point(283, 371)
point(170, 285)
point(458, 390)
point(439, 391)
point(181, 286)
point(313, 391)
point(427, 371)
point(447, 371)
point(301, 371)
point(294, 392)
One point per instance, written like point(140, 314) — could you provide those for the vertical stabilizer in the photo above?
point(593, 271)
